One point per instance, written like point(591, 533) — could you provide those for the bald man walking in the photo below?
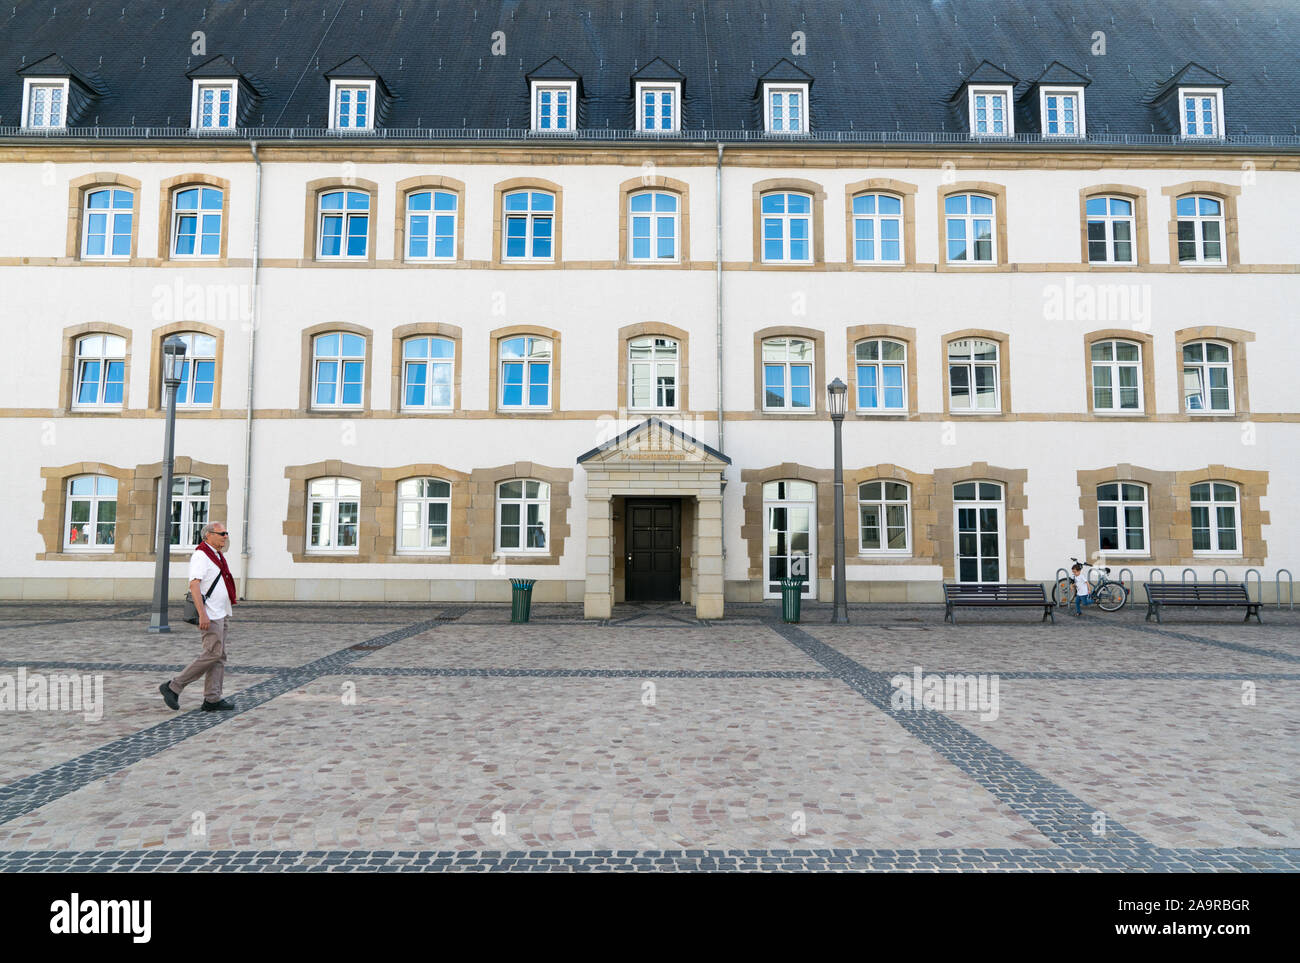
point(209, 576)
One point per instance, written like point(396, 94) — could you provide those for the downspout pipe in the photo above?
point(244, 548)
point(717, 307)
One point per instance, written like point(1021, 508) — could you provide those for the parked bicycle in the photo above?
point(1109, 595)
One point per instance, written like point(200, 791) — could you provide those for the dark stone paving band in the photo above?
point(1230, 646)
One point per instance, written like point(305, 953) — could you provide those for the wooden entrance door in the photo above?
point(653, 556)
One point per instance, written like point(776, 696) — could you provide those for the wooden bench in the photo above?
point(995, 595)
point(1221, 595)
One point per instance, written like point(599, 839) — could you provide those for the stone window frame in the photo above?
point(480, 544)
point(1003, 341)
point(754, 522)
point(881, 185)
point(435, 329)
point(68, 369)
point(157, 398)
point(458, 536)
point(311, 221)
point(142, 506)
point(499, 191)
point(494, 373)
point(630, 332)
point(921, 516)
point(1169, 512)
point(368, 527)
point(1001, 251)
point(1147, 343)
point(1141, 229)
point(414, 185)
point(871, 332)
point(167, 192)
point(307, 374)
point(1237, 339)
point(778, 185)
point(78, 188)
point(1227, 194)
point(1015, 533)
point(54, 502)
point(818, 338)
point(655, 182)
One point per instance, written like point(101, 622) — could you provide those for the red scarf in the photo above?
point(219, 560)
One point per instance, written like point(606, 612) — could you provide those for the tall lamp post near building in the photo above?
point(836, 397)
point(173, 351)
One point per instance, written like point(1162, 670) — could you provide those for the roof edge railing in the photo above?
point(607, 135)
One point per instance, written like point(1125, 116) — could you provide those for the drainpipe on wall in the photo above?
point(717, 246)
point(252, 343)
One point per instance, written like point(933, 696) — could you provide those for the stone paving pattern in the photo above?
point(477, 745)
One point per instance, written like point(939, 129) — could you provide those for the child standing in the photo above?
point(1082, 590)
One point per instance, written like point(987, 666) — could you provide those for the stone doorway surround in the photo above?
point(655, 459)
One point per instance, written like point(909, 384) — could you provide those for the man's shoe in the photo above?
point(169, 696)
point(222, 706)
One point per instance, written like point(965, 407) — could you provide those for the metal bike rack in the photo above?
point(1152, 572)
point(1290, 589)
point(1062, 573)
point(1132, 583)
point(1214, 576)
point(1194, 578)
point(1259, 585)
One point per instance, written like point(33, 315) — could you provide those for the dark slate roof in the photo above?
point(1193, 75)
point(880, 66)
point(783, 70)
point(218, 67)
point(987, 73)
point(1058, 73)
point(55, 66)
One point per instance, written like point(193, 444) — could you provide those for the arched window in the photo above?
point(974, 375)
point(339, 370)
point(1116, 375)
point(972, 229)
point(424, 516)
point(787, 228)
point(883, 509)
point(333, 512)
point(979, 511)
point(100, 371)
point(1111, 230)
point(882, 375)
point(431, 226)
point(90, 524)
point(1200, 229)
point(1216, 519)
point(787, 374)
point(790, 535)
point(107, 222)
point(652, 373)
point(428, 373)
point(530, 226)
point(1207, 377)
point(653, 226)
point(1122, 518)
point(190, 501)
point(523, 516)
point(525, 373)
point(344, 224)
point(196, 222)
point(877, 229)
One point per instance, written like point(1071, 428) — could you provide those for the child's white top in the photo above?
point(1081, 585)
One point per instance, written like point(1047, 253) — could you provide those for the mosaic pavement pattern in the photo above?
point(416, 738)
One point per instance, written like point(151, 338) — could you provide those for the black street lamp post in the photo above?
point(173, 361)
point(836, 396)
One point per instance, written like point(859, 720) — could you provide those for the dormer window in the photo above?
point(45, 104)
point(554, 106)
point(1201, 111)
point(214, 105)
point(352, 105)
point(990, 112)
point(786, 108)
point(658, 106)
point(1061, 110)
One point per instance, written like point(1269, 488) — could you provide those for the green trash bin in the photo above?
point(521, 598)
point(791, 596)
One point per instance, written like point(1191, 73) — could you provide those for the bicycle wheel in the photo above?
point(1111, 597)
point(1063, 592)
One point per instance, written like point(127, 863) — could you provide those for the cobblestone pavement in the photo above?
point(431, 738)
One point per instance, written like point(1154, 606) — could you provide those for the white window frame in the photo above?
point(657, 87)
point(531, 217)
point(1000, 505)
point(78, 359)
point(544, 514)
point(196, 102)
point(111, 215)
point(971, 364)
point(347, 214)
point(654, 216)
point(883, 503)
point(1199, 93)
point(653, 364)
point(877, 221)
point(527, 361)
point(433, 213)
point(1202, 368)
point(1214, 519)
point(1008, 109)
point(1114, 365)
point(199, 214)
point(337, 84)
point(1080, 129)
point(190, 369)
point(787, 407)
point(972, 238)
point(428, 362)
point(423, 504)
point(880, 364)
point(1198, 222)
point(1108, 221)
point(1121, 506)
point(95, 499)
point(63, 84)
point(769, 503)
point(331, 518)
point(769, 107)
point(553, 86)
point(187, 503)
point(340, 359)
point(786, 219)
